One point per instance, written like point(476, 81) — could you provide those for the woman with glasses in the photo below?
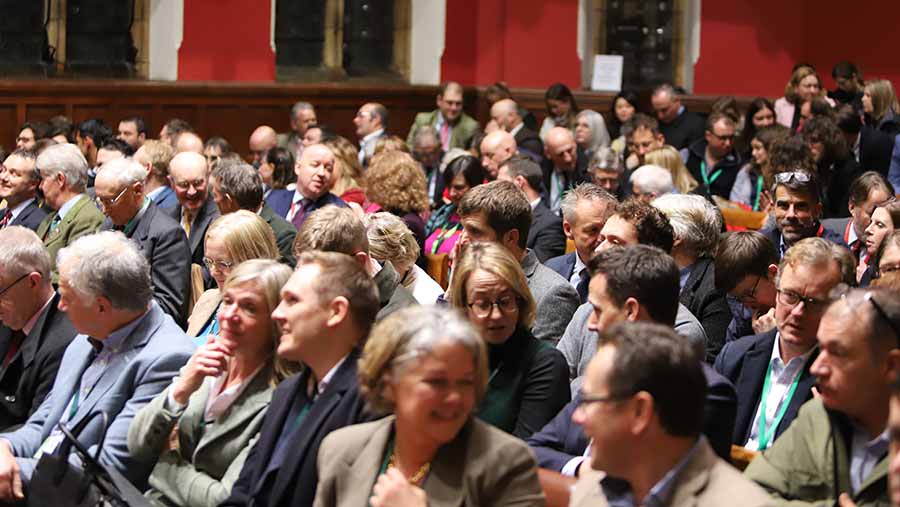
point(230, 240)
point(529, 379)
point(200, 429)
point(885, 220)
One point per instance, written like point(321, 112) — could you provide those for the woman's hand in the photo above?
point(393, 490)
point(210, 360)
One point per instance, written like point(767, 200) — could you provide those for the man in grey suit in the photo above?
point(498, 211)
point(127, 352)
point(120, 192)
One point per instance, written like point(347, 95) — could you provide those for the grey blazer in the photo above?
point(481, 467)
point(554, 296)
point(148, 359)
point(210, 455)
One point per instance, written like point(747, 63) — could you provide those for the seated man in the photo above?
point(370, 121)
point(585, 210)
point(564, 166)
point(545, 237)
point(654, 453)
point(120, 192)
point(746, 267)
point(454, 126)
point(315, 176)
point(262, 139)
point(327, 308)
point(680, 127)
point(771, 370)
point(426, 149)
point(127, 352)
point(333, 229)
point(155, 157)
point(866, 193)
point(713, 160)
point(496, 148)
point(34, 333)
point(499, 212)
point(560, 444)
point(651, 181)
point(837, 445)
point(19, 180)
point(188, 142)
point(643, 136)
point(505, 113)
point(606, 169)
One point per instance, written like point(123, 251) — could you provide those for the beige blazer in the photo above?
point(481, 467)
point(204, 308)
point(706, 481)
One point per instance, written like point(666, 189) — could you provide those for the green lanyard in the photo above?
point(74, 406)
point(443, 236)
point(764, 435)
point(387, 456)
point(759, 184)
point(709, 180)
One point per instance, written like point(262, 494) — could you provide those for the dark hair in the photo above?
point(655, 359)
point(727, 105)
point(741, 254)
point(382, 112)
point(561, 92)
point(176, 126)
point(139, 124)
point(521, 165)
point(890, 239)
point(218, 142)
point(653, 228)
point(819, 107)
point(504, 206)
point(96, 129)
point(716, 117)
point(767, 136)
point(749, 130)
point(327, 132)
point(60, 125)
point(845, 69)
point(38, 129)
point(643, 272)
point(475, 143)
point(866, 183)
point(615, 126)
point(115, 144)
point(498, 91)
point(823, 130)
point(242, 182)
point(810, 188)
point(282, 161)
point(791, 153)
point(847, 119)
point(639, 121)
point(467, 165)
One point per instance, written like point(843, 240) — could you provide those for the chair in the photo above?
point(741, 457)
point(570, 246)
point(438, 268)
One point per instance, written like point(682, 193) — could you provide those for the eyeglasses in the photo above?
point(722, 138)
point(218, 264)
point(10, 286)
point(791, 298)
point(586, 399)
point(750, 296)
point(482, 308)
point(184, 185)
point(107, 203)
point(787, 177)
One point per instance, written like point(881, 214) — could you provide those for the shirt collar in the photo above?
point(328, 376)
point(579, 265)
point(534, 203)
point(619, 492)
point(156, 191)
point(20, 208)
point(776, 353)
point(368, 138)
point(68, 206)
point(117, 337)
point(34, 318)
point(515, 130)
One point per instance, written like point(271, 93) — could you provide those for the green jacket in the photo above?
point(84, 218)
point(460, 134)
point(799, 468)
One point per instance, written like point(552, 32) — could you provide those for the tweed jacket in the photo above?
point(460, 134)
point(554, 296)
point(84, 218)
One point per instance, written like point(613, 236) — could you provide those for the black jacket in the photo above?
point(721, 176)
point(546, 236)
point(529, 140)
point(708, 304)
point(687, 129)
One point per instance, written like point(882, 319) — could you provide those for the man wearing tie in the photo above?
point(18, 184)
point(455, 128)
point(189, 177)
point(315, 176)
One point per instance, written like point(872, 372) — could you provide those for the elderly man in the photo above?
point(120, 192)
point(654, 453)
point(496, 148)
point(303, 116)
point(837, 445)
point(34, 333)
point(564, 166)
point(713, 160)
point(19, 181)
point(133, 131)
point(189, 177)
point(370, 122)
point(771, 370)
point(606, 169)
point(263, 139)
point(455, 128)
point(127, 352)
point(651, 181)
point(426, 149)
point(315, 177)
point(680, 127)
point(64, 174)
point(155, 157)
point(505, 113)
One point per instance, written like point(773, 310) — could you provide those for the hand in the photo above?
point(210, 360)
point(765, 201)
point(393, 490)
point(845, 501)
point(764, 322)
point(10, 480)
point(172, 444)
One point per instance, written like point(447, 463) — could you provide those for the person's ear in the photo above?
point(103, 304)
point(632, 310)
point(338, 310)
point(363, 259)
point(520, 182)
point(567, 230)
point(511, 237)
point(642, 408)
point(772, 272)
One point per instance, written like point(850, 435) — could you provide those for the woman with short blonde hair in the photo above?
point(391, 240)
point(669, 158)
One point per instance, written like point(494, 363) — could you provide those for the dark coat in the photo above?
point(284, 234)
point(875, 149)
point(546, 236)
point(166, 198)
point(563, 264)
point(30, 217)
point(719, 185)
point(687, 129)
point(580, 175)
point(708, 304)
point(530, 141)
point(205, 216)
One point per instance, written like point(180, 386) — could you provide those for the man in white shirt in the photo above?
point(370, 121)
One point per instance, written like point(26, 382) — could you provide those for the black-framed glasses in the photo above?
point(10, 286)
point(587, 399)
point(750, 296)
point(108, 203)
point(791, 298)
point(482, 308)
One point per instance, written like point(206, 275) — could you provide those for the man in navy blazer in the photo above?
point(314, 181)
point(127, 353)
point(18, 186)
point(281, 467)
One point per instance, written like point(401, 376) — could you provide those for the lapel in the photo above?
point(32, 343)
point(694, 280)
point(198, 227)
point(529, 263)
point(570, 265)
point(23, 216)
point(878, 474)
point(64, 387)
point(694, 477)
point(142, 229)
point(444, 485)
point(750, 381)
point(275, 418)
point(355, 483)
point(66, 222)
point(190, 423)
point(386, 280)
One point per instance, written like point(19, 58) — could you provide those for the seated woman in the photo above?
point(428, 367)
point(230, 240)
point(528, 385)
point(395, 183)
point(561, 109)
point(668, 157)
point(590, 132)
point(200, 429)
point(443, 228)
point(754, 179)
point(760, 114)
point(391, 240)
point(885, 220)
point(624, 106)
point(277, 170)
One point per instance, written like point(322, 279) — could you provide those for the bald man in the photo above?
point(188, 142)
point(505, 114)
point(189, 177)
point(496, 148)
point(455, 128)
point(263, 139)
point(564, 166)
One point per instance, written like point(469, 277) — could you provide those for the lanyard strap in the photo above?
point(759, 185)
point(443, 236)
point(709, 180)
point(766, 434)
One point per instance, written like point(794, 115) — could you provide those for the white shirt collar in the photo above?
point(67, 206)
point(515, 130)
point(19, 208)
point(534, 203)
point(776, 353)
point(328, 376)
point(367, 139)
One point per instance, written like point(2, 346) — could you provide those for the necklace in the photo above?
point(417, 477)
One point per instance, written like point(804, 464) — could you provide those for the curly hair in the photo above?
point(395, 182)
point(652, 226)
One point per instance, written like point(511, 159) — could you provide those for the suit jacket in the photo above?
point(161, 239)
point(27, 379)
point(555, 299)
point(480, 466)
point(708, 304)
point(460, 134)
point(288, 141)
point(774, 235)
point(294, 483)
point(279, 200)
point(745, 362)
point(578, 177)
point(166, 198)
point(391, 294)
point(529, 140)
point(545, 236)
point(204, 309)
point(284, 234)
point(705, 481)
point(148, 359)
point(30, 217)
point(205, 216)
point(209, 456)
point(84, 218)
point(563, 264)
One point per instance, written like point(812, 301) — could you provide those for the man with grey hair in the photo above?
point(605, 169)
point(564, 165)
point(18, 186)
point(127, 352)
point(454, 127)
point(679, 126)
point(34, 333)
point(697, 225)
point(120, 192)
point(64, 174)
point(651, 181)
point(426, 149)
point(496, 148)
point(303, 116)
point(585, 210)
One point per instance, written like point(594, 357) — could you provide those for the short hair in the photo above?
point(177, 126)
point(30, 156)
point(96, 129)
point(845, 69)
point(126, 171)
point(499, 262)
point(726, 105)
point(524, 166)
point(877, 308)
point(406, 338)
point(115, 144)
point(22, 251)
point(242, 182)
point(695, 221)
point(218, 142)
point(640, 121)
point(504, 206)
point(666, 88)
point(107, 264)
point(741, 254)
point(655, 359)
point(66, 159)
point(716, 117)
point(867, 183)
point(798, 182)
point(341, 276)
point(425, 134)
point(282, 162)
point(643, 272)
point(470, 167)
point(158, 155)
point(381, 112)
point(390, 239)
point(847, 119)
point(139, 124)
point(245, 235)
point(818, 252)
point(653, 179)
point(60, 125)
point(301, 106)
point(606, 159)
point(38, 129)
point(652, 226)
point(586, 192)
point(446, 85)
point(331, 229)
point(395, 181)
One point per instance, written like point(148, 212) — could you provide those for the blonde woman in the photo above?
point(668, 157)
point(803, 86)
point(391, 240)
point(348, 172)
point(881, 107)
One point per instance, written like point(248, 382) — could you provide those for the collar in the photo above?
point(156, 191)
point(784, 247)
point(579, 265)
point(684, 274)
point(323, 384)
point(776, 353)
point(370, 137)
point(34, 318)
point(114, 341)
point(534, 203)
point(65, 208)
point(14, 212)
point(515, 130)
point(374, 266)
point(132, 224)
point(619, 492)
point(850, 236)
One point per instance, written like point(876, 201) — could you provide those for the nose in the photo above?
point(799, 309)
point(578, 416)
point(818, 367)
point(229, 312)
point(791, 212)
